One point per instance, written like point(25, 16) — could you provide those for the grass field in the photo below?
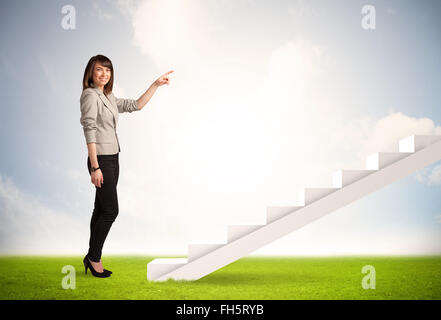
point(286, 278)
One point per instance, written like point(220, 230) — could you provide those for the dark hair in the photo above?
point(88, 73)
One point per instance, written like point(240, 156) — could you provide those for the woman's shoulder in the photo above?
point(88, 93)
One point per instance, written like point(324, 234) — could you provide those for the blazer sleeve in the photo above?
point(126, 105)
point(89, 111)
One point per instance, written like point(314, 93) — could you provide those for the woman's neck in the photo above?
point(98, 87)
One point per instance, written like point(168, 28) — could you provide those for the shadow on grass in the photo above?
point(250, 279)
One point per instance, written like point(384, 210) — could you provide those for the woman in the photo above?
point(99, 117)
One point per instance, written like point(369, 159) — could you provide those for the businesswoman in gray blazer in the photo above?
point(99, 118)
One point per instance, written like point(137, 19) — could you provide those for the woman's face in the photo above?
point(101, 75)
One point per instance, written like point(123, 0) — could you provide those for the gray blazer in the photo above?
point(99, 117)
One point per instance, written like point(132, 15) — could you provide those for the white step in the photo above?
point(259, 236)
point(380, 160)
point(237, 231)
point(274, 213)
point(310, 195)
point(161, 266)
point(417, 142)
point(197, 250)
point(343, 178)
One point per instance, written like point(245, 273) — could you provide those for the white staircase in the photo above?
point(383, 168)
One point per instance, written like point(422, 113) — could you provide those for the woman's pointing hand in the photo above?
point(164, 79)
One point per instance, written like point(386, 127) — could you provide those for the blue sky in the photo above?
point(267, 97)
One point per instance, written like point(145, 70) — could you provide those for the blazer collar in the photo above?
point(103, 97)
point(106, 102)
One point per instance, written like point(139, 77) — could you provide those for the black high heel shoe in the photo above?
point(105, 270)
point(88, 265)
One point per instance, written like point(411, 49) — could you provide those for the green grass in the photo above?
point(35, 277)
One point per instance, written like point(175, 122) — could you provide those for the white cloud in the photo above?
point(430, 175)
point(102, 14)
point(172, 32)
point(307, 133)
point(388, 130)
point(292, 68)
point(30, 226)
point(435, 176)
point(224, 154)
point(209, 61)
point(223, 164)
point(216, 151)
point(385, 133)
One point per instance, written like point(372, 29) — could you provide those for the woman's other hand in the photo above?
point(164, 79)
point(97, 178)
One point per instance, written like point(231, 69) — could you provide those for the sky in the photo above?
point(267, 97)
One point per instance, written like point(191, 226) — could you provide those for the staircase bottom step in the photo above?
point(161, 266)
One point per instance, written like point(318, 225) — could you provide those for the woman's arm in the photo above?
point(89, 113)
point(96, 176)
point(146, 96)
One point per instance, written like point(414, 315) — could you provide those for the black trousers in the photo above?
point(106, 204)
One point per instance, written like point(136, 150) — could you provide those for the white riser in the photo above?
point(380, 160)
point(266, 234)
point(416, 143)
point(343, 178)
point(198, 250)
point(310, 195)
point(274, 213)
point(238, 231)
